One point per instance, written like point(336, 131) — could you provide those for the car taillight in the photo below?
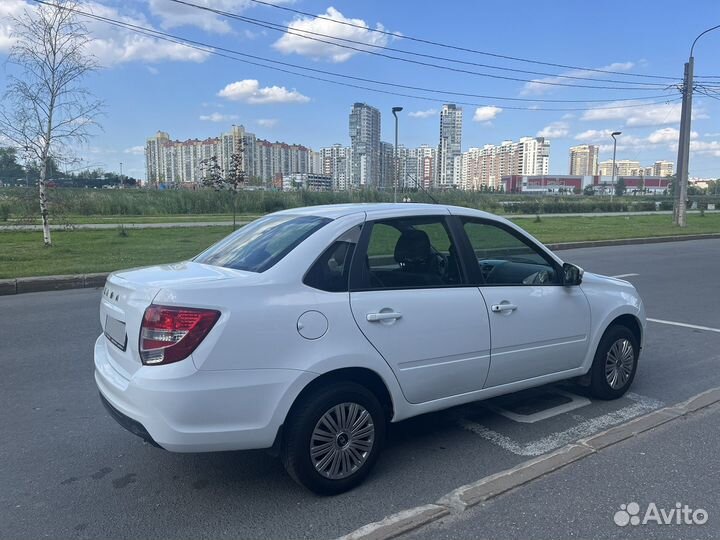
point(170, 334)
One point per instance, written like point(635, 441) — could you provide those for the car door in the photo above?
point(411, 299)
point(538, 326)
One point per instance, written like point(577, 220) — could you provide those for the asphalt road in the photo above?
point(68, 470)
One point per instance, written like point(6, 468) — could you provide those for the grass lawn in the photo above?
point(574, 229)
point(85, 251)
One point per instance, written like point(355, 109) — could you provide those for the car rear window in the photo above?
point(262, 243)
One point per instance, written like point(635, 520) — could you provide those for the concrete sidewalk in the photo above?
point(674, 463)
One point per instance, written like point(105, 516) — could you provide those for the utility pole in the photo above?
point(122, 184)
point(612, 181)
point(396, 110)
point(681, 178)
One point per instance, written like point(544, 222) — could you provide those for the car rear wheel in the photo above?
point(615, 363)
point(333, 438)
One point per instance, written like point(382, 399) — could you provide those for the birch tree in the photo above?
point(46, 110)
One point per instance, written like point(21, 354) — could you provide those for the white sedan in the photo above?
point(309, 330)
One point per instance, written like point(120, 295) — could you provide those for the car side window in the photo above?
point(413, 252)
point(331, 271)
point(505, 259)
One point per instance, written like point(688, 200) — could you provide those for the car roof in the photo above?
point(334, 211)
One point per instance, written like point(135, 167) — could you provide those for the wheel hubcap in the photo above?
point(342, 440)
point(619, 363)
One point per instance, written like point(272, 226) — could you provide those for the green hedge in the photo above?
point(22, 203)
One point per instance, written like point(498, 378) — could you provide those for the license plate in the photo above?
point(115, 332)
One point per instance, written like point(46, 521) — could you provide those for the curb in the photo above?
point(52, 283)
point(458, 500)
point(632, 241)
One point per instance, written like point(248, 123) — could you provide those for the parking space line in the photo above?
point(685, 325)
point(575, 403)
point(625, 275)
point(642, 404)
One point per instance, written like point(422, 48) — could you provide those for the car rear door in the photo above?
point(411, 299)
point(538, 326)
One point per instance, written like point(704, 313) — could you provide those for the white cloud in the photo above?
point(173, 15)
point(668, 135)
point(295, 44)
point(217, 117)
point(8, 9)
point(267, 122)
point(152, 70)
point(111, 45)
point(556, 130)
point(641, 115)
point(249, 91)
point(546, 84)
point(593, 135)
point(711, 148)
point(484, 114)
point(135, 150)
point(427, 113)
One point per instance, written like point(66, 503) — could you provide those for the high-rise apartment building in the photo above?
point(450, 145)
point(663, 168)
point(483, 168)
point(387, 166)
point(365, 143)
point(427, 167)
point(337, 164)
point(584, 160)
point(178, 162)
point(623, 167)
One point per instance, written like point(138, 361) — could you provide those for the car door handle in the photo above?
point(498, 308)
point(383, 316)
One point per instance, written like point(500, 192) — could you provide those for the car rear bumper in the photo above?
point(182, 409)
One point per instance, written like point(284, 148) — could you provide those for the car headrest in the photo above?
point(413, 246)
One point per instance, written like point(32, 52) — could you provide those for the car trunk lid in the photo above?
point(128, 293)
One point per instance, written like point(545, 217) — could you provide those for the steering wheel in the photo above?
point(538, 278)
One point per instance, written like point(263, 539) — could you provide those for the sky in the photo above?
point(149, 85)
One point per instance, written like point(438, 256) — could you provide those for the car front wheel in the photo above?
point(333, 438)
point(615, 363)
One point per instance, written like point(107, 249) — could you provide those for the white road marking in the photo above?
point(556, 440)
point(685, 325)
point(619, 276)
point(576, 403)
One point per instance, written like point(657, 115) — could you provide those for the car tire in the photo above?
point(345, 418)
point(615, 363)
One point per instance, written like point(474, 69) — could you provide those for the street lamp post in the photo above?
point(612, 181)
point(396, 110)
point(681, 178)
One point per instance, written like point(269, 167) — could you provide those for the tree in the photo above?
point(620, 187)
point(234, 180)
point(589, 190)
point(212, 173)
point(46, 109)
point(236, 177)
point(10, 169)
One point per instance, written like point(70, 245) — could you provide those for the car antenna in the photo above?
point(425, 191)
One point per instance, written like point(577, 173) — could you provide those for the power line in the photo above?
point(457, 47)
point(363, 49)
point(272, 26)
point(212, 49)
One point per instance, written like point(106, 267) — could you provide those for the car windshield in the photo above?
point(261, 244)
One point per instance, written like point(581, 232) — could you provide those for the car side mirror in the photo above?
point(572, 275)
